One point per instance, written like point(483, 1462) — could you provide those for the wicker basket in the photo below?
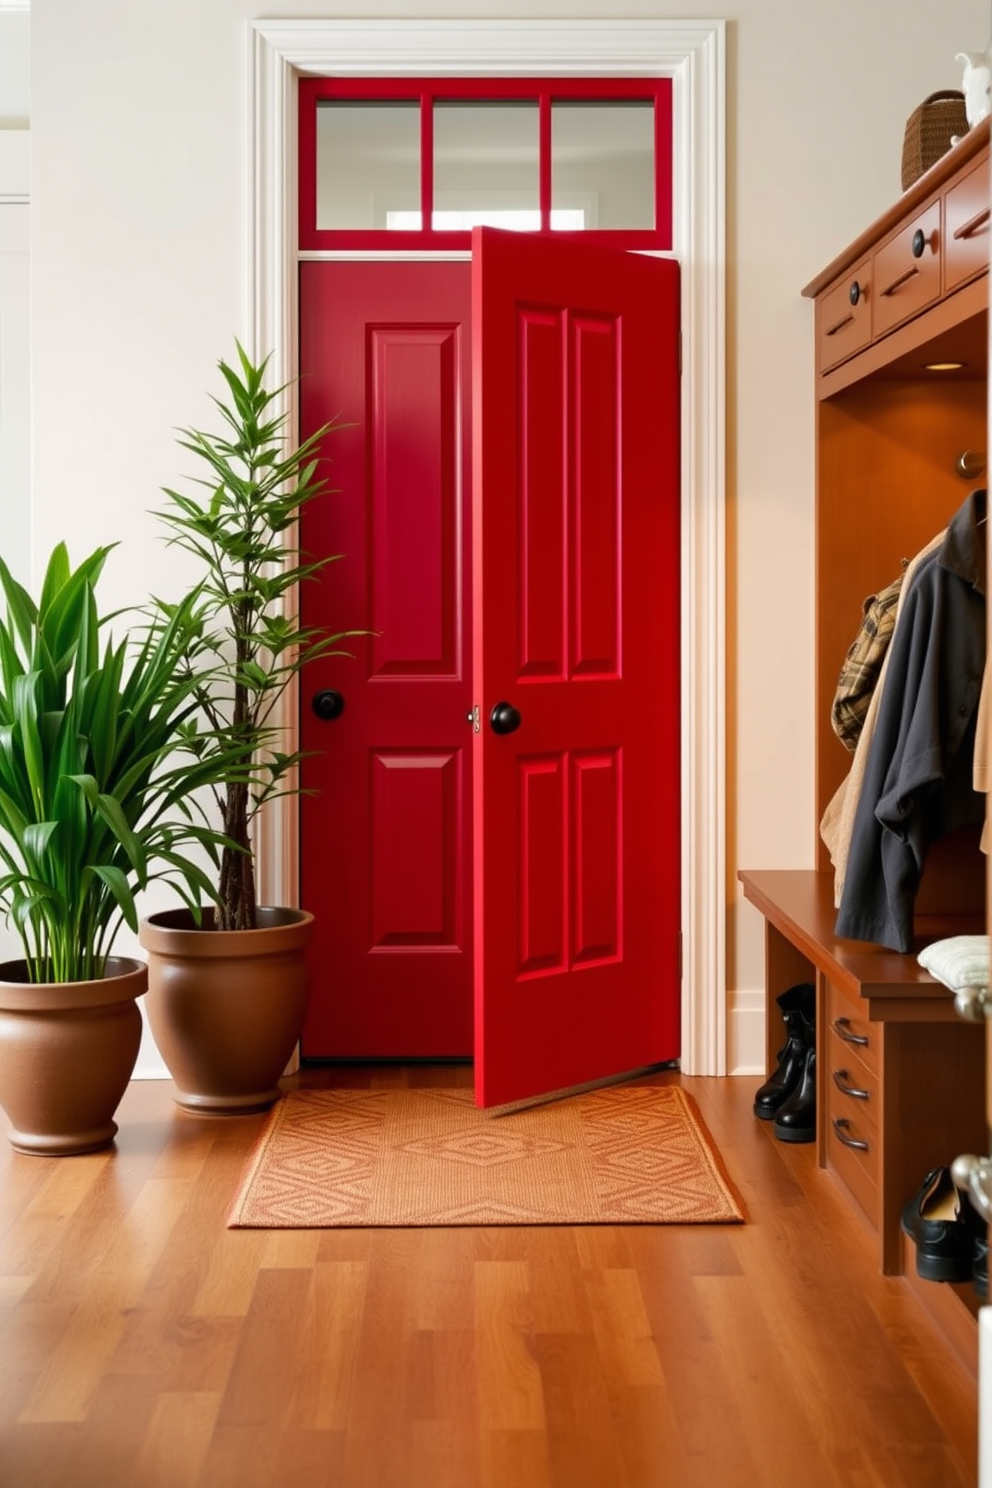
point(928, 133)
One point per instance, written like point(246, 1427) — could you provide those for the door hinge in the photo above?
point(475, 719)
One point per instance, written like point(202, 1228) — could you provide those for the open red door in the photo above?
point(576, 635)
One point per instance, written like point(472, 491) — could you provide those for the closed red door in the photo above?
point(576, 619)
point(568, 940)
point(386, 834)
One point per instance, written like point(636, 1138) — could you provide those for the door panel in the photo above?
point(576, 623)
point(386, 851)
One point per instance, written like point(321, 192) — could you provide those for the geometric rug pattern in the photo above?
point(357, 1158)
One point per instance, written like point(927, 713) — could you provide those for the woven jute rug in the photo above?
point(621, 1155)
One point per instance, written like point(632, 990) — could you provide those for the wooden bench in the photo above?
point(900, 1078)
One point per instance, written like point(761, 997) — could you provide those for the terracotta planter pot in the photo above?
point(67, 1052)
point(226, 1007)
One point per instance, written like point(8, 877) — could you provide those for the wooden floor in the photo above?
point(142, 1343)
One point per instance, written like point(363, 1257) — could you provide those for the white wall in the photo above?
point(15, 400)
point(137, 133)
point(15, 410)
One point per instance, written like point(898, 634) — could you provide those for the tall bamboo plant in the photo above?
point(100, 757)
point(241, 527)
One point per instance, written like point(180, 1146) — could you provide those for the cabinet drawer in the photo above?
point(843, 319)
point(848, 1026)
point(852, 1151)
point(906, 272)
point(966, 228)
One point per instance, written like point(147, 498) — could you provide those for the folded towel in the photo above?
point(960, 961)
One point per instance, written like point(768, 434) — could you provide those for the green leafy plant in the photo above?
point(100, 758)
point(241, 527)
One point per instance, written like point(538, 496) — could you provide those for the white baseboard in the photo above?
point(746, 1033)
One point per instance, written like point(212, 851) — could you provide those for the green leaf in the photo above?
point(21, 609)
point(37, 836)
point(117, 883)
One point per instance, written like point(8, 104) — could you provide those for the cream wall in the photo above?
point(138, 153)
point(15, 527)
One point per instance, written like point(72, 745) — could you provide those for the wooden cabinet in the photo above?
point(934, 241)
point(909, 296)
point(900, 387)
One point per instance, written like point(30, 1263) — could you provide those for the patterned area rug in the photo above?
point(347, 1158)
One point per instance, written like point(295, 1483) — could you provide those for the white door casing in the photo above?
point(693, 55)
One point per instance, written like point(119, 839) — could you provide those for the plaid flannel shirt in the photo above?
point(862, 664)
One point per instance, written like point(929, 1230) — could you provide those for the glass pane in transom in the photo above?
point(368, 162)
point(486, 166)
point(602, 164)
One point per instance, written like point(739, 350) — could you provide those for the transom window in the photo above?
point(395, 163)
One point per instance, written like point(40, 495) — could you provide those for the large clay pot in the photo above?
point(226, 1007)
point(67, 1052)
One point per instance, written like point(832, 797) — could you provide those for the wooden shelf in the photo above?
point(925, 1068)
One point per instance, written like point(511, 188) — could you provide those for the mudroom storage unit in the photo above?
point(901, 334)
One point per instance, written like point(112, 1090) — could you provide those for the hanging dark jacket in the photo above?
point(918, 777)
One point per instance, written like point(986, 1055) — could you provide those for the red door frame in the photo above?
point(544, 91)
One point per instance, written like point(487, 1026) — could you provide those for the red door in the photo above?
point(386, 834)
point(574, 830)
point(576, 628)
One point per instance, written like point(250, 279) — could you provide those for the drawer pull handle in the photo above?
point(841, 1127)
point(839, 325)
point(969, 228)
point(898, 283)
point(919, 243)
point(840, 1080)
point(857, 291)
point(842, 1028)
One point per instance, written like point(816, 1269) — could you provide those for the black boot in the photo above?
point(791, 1057)
point(795, 1119)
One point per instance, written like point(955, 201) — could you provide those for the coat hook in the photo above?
point(970, 464)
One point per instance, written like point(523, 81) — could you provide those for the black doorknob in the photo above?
point(919, 243)
point(504, 718)
point(328, 704)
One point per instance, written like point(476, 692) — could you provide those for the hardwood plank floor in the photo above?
point(144, 1344)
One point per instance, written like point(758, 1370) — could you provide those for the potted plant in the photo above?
point(228, 991)
point(99, 754)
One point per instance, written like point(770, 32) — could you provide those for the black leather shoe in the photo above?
point(795, 1003)
point(795, 1120)
point(944, 1228)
